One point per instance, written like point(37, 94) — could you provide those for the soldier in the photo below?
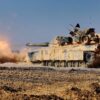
point(97, 40)
point(77, 27)
point(77, 33)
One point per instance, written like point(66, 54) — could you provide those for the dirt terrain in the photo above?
point(43, 83)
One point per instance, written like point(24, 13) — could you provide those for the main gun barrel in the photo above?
point(45, 44)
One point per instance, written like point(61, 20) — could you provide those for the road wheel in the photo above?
point(62, 64)
point(56, 64)
point(69, 64)
point(49, 63)
point(76, 64)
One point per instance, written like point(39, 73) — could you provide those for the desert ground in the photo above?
point(28, 82)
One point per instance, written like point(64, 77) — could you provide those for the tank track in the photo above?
point(63, 63)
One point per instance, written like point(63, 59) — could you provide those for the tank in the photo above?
point(75, 50)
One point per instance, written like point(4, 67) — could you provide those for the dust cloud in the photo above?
point(7, 55)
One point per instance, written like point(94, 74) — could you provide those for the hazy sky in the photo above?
point(25, 21)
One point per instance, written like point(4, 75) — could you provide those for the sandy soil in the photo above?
point(43, 83)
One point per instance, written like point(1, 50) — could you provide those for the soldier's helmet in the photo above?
point(77, 25)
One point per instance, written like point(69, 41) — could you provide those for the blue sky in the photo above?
point(25, 21)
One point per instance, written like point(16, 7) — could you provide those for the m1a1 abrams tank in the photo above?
point(76, 50)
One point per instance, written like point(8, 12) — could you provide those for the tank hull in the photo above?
point(77, 55)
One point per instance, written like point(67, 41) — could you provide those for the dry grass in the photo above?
point(46, 84)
